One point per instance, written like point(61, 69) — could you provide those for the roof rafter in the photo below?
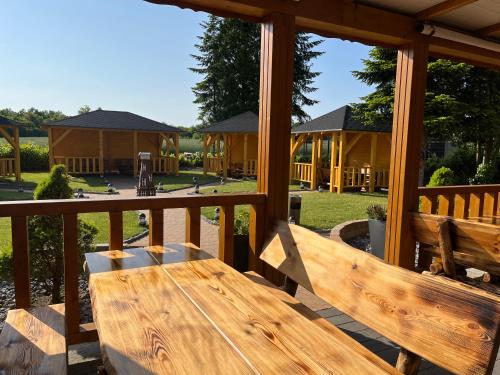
point(488, 30)
point(442, 8)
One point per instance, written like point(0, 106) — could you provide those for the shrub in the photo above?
point(46, 238)
point(485, 174)
point(376, 212)
point(242, 223)
point(442, 177)
point(33, 157)
point(462, 162)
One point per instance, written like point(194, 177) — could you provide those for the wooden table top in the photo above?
point(175, 309)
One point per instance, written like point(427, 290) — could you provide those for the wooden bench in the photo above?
point(458, 241)
point(33, 341)
point(446, 322)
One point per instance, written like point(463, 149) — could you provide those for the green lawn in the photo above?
point(319, 210)
point(42, 141)
point(87, 183)
point(190, 145)
point(184, 179)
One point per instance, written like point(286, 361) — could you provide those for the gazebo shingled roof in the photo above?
point(113, 120)
point(8, 122)
point(338, 119)
point(246, 122)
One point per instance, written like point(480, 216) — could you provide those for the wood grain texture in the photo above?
point(474, 244)
point(21, 262)
point(274, 337)
point(71, 271)
point(147, 325)
point(446, 249)
point(193, 222)
point(156, 227)
point(116, 230)
point(419, 313)
point(32, 341)
point(226, 233)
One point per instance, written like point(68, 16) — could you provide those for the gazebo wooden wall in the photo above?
point(235, 154)
point(100, 151)
point(358, 159)
point(11, 166)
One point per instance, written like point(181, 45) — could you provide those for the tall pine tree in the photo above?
point(228, 60)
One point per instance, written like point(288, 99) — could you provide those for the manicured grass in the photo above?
point(87, 183)
point(319, 210)
point(6, 195)
point(42, 141)
point(184, 179)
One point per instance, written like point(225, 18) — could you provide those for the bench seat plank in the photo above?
point(147, 325)
point(274, 337)
point(32, 341)
point(448, 323)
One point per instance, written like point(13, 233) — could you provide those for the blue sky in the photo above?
point(127, 55)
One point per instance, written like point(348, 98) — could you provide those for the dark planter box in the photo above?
point(241, 252)
point(377, 237)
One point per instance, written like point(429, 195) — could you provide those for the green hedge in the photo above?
point(34, 157)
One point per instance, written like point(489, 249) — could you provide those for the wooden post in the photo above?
point(205, 154)
point(407, 129)
point(226, 152)
point(101, 153)
point(71, 255)
point(373, 160)
point(226, 234)
point(17, 151)
point(156, 227)
point(314, 162)
point(320, 150)
point(193, 215)
point(340, 169)
point(333, 161)
point(176, 144)
point(135, 157)
point(51, 148)
point(21, 263)
point(245, 154)
point(275, 113)
point(115, 230)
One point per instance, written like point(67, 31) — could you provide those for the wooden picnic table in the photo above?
point(176, 309)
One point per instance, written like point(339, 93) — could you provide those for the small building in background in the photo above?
point(11, 166)
point(106, 142)
point(230, 147)
point(357, 155)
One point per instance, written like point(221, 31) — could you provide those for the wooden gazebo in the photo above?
point(359, 154)
point(238, 156)
point(11, 166)
point(100, 142)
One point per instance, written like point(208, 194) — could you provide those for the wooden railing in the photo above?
point(360, 177)
point(7, 167)
point(19, 211)
point(164, 164)
point(79, 165)
point(301, 172)
point(214, 164)
point(251, 169)
point(462, 202)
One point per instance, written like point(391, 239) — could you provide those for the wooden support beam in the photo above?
point(444, 7)
point(7, 136)
point(320, 151)
point(135, 157)
point(333, 160)
point(275, 115)
point(176, 148)
point(21, 262)
point(205, 153)
point(101, 153)
point(193, 223)
point(51, 148)
point(225, 160)
point(63, 135)
point(373, 160)
point(353, 142)
point(71, 262)
point(115, 230)
point(245, 154)
point(342, 156)
point(486, 31)
point(156, 227)
point(411, 77)
point(314, 162)
point(17, 154)
point(226, 234)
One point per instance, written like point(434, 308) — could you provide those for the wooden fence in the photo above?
point(476, 202)
point(19, 211)
point(301, 172)
point(214, 164)
point(164, 165)
point(7, 167)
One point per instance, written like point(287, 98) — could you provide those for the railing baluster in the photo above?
point(459, 210)
point(71, 298)
point(475, 205)
point(444, 205)
point(226, 234)
point(156, 227)
point(115, 230)
point(193, 215)
point(256, 238)
point(21, 261)
point(490, 205)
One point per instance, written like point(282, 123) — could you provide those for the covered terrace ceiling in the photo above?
point(465, 30)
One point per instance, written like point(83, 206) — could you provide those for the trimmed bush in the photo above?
point(34, 158)
point(442, 177)
point(485, 174)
